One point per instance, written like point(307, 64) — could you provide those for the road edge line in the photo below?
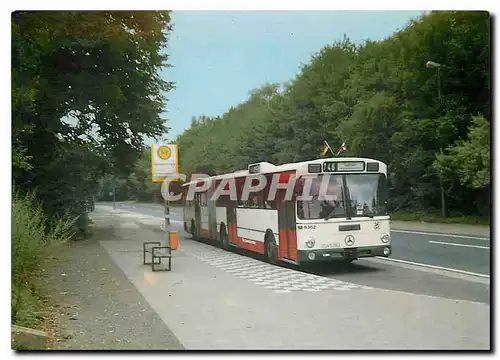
point(459, 245)
point(435, 267)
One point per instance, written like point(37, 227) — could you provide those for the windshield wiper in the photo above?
point(329, 216)
point(369, 215)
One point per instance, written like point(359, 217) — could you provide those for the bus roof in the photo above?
point(268, 168)
point(236, 174)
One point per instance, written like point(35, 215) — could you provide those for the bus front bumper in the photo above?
point(346, 253)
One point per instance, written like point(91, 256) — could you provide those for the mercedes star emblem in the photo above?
point(349, 240)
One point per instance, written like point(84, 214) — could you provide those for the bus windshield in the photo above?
point(348, 195)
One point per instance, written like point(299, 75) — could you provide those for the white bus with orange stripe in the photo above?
point(351, 223)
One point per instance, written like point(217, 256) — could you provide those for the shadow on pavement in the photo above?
point(338, 268)
point(322, 268)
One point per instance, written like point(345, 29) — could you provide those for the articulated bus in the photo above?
point(353, 222)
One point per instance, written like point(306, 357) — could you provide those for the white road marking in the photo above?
point(441, 234)
point(435, 267)
point(451, 274)
point(455, 244)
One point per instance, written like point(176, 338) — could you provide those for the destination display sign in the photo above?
point(351, 166)
point(339, 166)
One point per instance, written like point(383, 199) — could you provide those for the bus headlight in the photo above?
point(310, 243)
point(385, 238)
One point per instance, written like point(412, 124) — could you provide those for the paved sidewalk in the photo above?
point(94, 304)
point(214, 299)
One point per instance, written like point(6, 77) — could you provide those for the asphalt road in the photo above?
point(407, 276)
point(463, 253)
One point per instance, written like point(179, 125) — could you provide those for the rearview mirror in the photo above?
point(392, 178)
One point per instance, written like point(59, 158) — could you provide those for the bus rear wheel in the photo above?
point(193, 231)
point(223, 238)
point(270, 249)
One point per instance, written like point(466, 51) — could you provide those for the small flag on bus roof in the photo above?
point(342, 148)
point(324, 149)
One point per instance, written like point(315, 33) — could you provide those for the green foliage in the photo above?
point(32, 243)
point(384, 102)
point(137, 185)
point(139, 182)
point(470, 158)
point(86, 89)
point(435, 217)
point(93, 68)
point(20, 160)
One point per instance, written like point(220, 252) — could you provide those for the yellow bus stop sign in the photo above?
point(164, 152)
point(164, 161)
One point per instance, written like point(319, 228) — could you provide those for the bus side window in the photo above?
point(203, 199)
point(270, 204)
point(262, 202)
point(257, 200)
point(224, 200)
point(254, 201)
point(300, 209)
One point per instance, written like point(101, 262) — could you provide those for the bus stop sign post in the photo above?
point(164, 161)
point(167, 221)
point(172, 236)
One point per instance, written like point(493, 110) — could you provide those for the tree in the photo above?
point(86, 89)
point(470, 158)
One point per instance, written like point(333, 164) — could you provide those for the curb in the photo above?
point(24, 338)
point(152, 227)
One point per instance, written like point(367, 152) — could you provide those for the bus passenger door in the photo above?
point(212, 220)
point(287, 224)
point(231, 222)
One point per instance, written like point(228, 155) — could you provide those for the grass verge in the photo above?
point(33, 243)
point(436, 218)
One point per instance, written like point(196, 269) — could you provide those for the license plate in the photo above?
point(350, 252)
